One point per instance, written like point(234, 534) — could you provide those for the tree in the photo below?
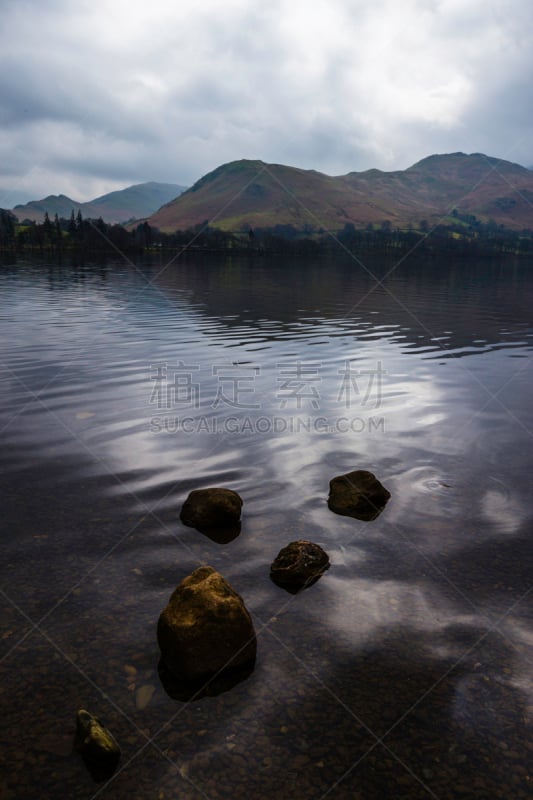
point(57, 230)
point(47, 226)
point(7, 227)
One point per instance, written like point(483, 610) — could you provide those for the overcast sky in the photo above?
point(101, 94)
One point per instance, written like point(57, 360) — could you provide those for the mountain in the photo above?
point(134, 202)
point(252, 194)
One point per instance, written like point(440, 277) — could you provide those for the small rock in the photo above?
point(96, 744)
point(213, 509)
point(298, 565)
point(357, 494)
point(143, 695)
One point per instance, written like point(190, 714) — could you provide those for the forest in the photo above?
point(58, 236)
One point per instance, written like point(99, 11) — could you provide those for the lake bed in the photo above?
point(405, 671)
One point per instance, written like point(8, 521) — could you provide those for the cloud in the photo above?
point(101, 94)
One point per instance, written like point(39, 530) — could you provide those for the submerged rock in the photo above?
point(96, 744)
point(205, 629)
point(213, 510)
point(298, 565)
point(143, 695)
point(357, 494)
point(187, 691)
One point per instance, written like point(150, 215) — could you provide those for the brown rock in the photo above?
point(96, 744)
point(357, 494)
point(212, 509)
point(299, 564)
point(205, 628)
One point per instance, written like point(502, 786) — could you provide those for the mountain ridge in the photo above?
point(250, 193)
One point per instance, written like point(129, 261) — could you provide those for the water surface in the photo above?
point(405, 671)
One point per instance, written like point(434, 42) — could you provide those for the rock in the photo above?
point(205, 628)
point(298, 565)
point(357, 494)
point(212, 509)
point(143, 695)
point(96, 744)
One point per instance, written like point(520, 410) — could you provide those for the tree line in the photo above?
point(60, 235)
point(88, 236)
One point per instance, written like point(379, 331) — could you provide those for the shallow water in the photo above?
point(405, 671)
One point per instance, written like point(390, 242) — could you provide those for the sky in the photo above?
point(96, 96)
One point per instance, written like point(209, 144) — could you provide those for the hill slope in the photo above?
point(136, 201)
point(251, 194)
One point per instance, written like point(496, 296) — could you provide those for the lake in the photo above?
point(406, 670)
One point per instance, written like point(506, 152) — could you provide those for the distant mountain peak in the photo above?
point(134, 202)
point(463, 159)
